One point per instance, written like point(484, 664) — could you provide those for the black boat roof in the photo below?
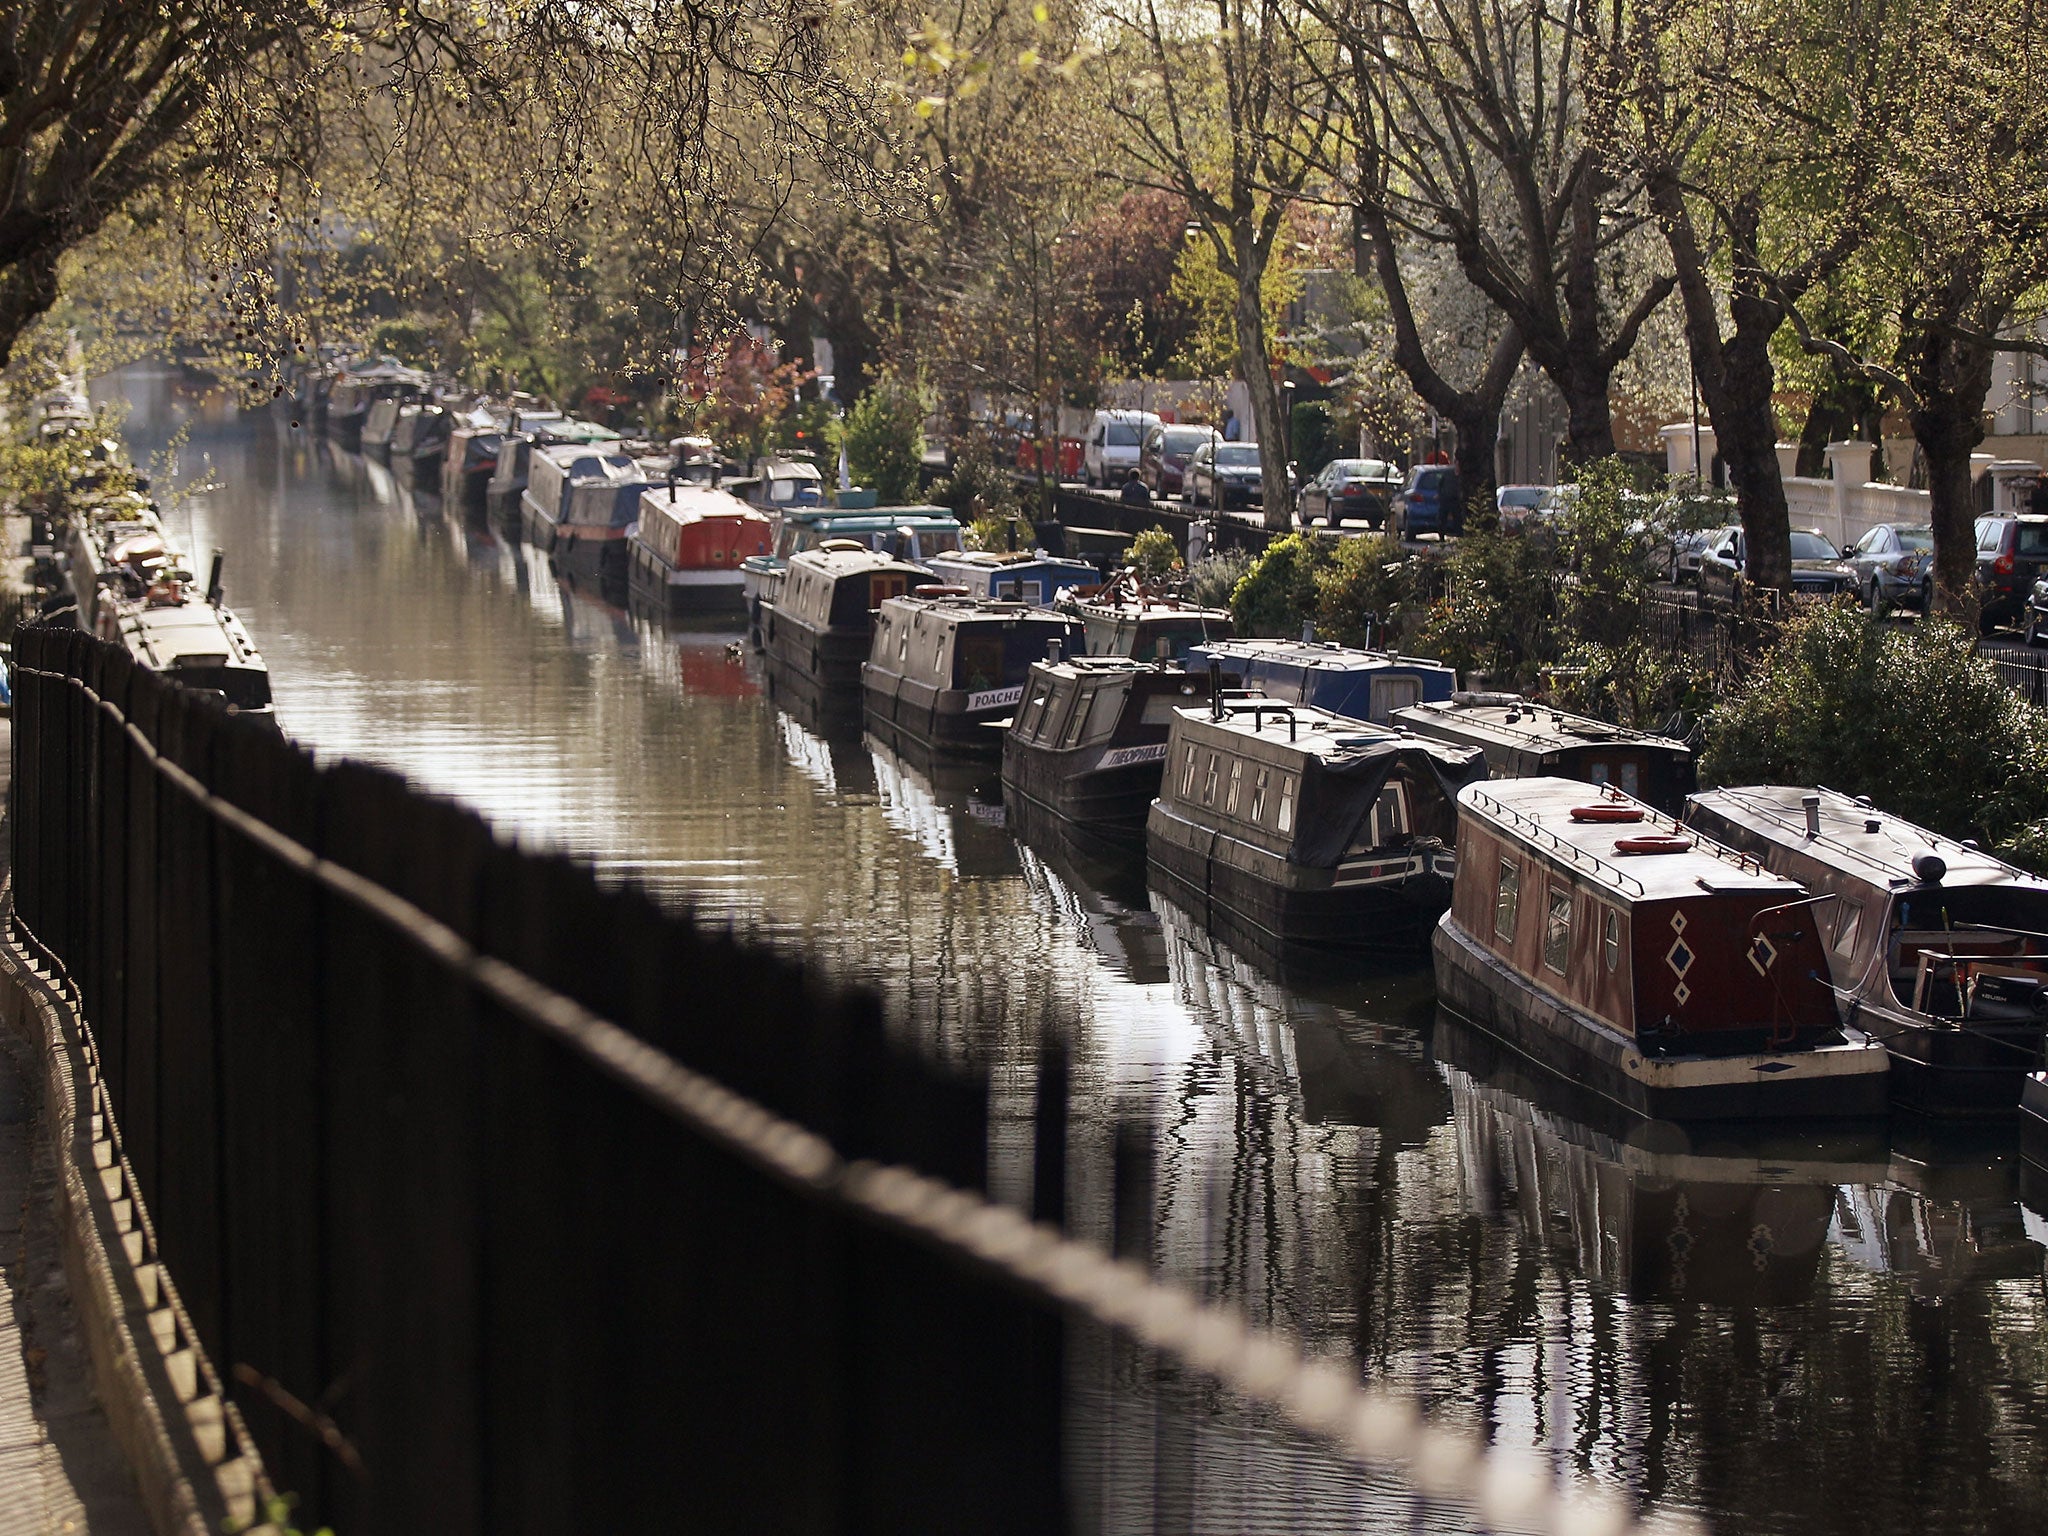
point(1510, 721)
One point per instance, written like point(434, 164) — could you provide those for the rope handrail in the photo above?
point(1541, 834)
point(1374, 1426)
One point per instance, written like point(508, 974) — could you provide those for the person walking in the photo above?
point(1135, 492)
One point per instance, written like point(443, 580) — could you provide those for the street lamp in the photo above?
point(1287, 419)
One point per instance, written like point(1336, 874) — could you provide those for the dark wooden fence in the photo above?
point(465, 1263)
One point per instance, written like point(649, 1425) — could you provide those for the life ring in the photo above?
point(1652, 842)
point(1609, 810)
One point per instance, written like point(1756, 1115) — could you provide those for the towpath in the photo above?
point(60, 1470)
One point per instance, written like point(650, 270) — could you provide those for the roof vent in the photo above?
point(1929, 868)
point(1811, 804)
point(1872, 824)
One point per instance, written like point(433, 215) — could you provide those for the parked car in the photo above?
point(1163, 456)
point(1434, 502)
point(1688, 546)
point(2012, 554)
point(1516, 502)
point(1114, 438)
point(2037, 612)
point(1225, 475)
point(1894, 563)
point(1347, 488)
point(1816, 568)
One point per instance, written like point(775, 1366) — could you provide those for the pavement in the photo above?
point(60, 1468)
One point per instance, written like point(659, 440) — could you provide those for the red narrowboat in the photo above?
point(1644, 961)
point(687, 551)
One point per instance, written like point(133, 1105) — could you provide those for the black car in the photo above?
point(1347, 488)
point(1225, 475)
point(2012, 554)
point(1817, 570)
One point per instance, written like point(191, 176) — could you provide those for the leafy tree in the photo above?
point(1365, 594)
point(884, 439)
point(1153, 553)
point(1910, 716)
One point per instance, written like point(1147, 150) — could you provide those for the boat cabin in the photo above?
point(554, 468)
point(199, 645)
point(1524, 740)
point(915, 534)
point(1938, 948)
point(779, 483)
point(1149, 628)
point(692, 541)
point(1087, 741)
point(1314, 830)
point(1030, 577)
point(1360, 684)
point(944, 666)
point(817, 629)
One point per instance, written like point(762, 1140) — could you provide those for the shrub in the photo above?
point(1278, 594)
point(1911, 717)
point(1498, 614)
point(884, 438)
point(1153, 553)
point(1211, 582)
point(1365, 593)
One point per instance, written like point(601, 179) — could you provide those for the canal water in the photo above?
point(1779, 1335)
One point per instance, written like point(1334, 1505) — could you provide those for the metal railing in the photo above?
point(507, 1202)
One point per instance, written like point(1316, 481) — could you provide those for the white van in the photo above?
point(1112, 448)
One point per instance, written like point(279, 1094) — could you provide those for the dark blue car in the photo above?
point(1434, 501)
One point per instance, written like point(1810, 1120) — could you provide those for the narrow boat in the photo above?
point(687, 548)
point(358, 387)
point(381, 421)
point(1319, 835)
point(1937, 949)
point(1127, 618)
point(945, 668)
point(915, 535)
point(590, 542)
point(1032, 577)
point(526, 431)
point(1361, 684)
point(1087, 744)
point(420, 440)
point(818, 629)
point(1524, 740)
point(1645, 962)
point(471, 458)
point(2034, 1119)
point(557, 469)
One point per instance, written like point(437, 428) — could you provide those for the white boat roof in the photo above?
point(687, 500)
point(1538, 814)
point(190, 632)
point(1883, 857)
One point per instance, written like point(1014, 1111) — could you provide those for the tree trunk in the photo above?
point(1589, 421)
point(1948, 424)
point(1746, 434)
point(1254, 363)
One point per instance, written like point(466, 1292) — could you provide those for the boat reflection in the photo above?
point(1103, 908)
point(952, 811)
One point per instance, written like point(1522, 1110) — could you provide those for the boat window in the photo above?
point(1187, 775)
point(1596, 773)
point(1077, 721)
point(1612, 939)
point(1209, 781)
point(977, 659)
point(1557, 929)
point(1034, 712)
point(1389, 815)
point(1631, 779)
point(1236, 784)
point(1285, 823)
point(1849, 917)
point(1259, 794)
point(1104, 709)
point(903, 644)
point(1507, 900)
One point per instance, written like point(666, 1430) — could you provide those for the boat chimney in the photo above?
point(1216, 710)
point(1052, 651)
point(1811, 805)
point(213, 580)
point(1308, 632)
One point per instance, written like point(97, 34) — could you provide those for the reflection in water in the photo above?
point(1820, 1338)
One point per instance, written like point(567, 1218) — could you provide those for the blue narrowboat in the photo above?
point(1358, 684)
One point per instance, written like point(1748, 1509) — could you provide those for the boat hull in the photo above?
point(1950, 1073)
point(1294, 910)
point(1828, 1082)
point(2034, 1120)
point(937, 720)
point(1106, 803)
point(821, 666)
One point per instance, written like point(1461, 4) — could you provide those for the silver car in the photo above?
point(1894, 563)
